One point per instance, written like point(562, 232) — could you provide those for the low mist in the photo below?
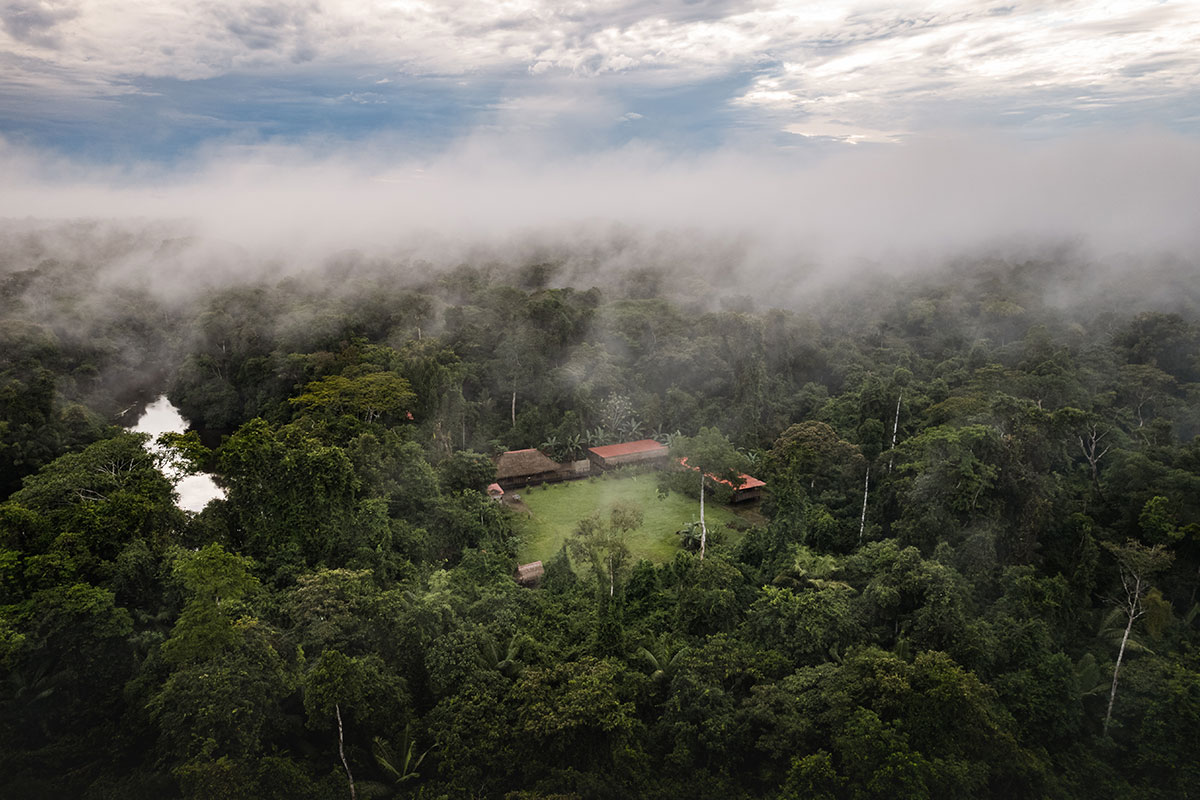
point(811, 214)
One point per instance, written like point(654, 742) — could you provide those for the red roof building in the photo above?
point(749, 489)
point(643, 451)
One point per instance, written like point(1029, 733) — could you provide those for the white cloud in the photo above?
point(866, 64)
point(890, 66)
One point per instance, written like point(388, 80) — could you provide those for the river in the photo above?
point(194, 490)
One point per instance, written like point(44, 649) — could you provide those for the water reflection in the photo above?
point(194, 490)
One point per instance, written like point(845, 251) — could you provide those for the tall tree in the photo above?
point(710, 454)
point(1138, 564)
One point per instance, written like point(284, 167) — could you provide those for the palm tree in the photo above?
point(402, 763)
point(662, 658)
point(489, 657)
point(809, 569)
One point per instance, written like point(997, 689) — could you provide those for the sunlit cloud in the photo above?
point(782, 67)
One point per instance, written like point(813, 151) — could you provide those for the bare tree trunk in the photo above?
point(514, 408)
point(703, 527)
point(1112, 696)
point(895, 431)
point(1093, 454)
point(342, 752)
point(862, 526)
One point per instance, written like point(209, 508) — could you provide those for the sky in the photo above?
point(114, 80)
point(1075, 115)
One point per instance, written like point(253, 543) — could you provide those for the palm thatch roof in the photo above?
point(530, 573)
point(523, 464)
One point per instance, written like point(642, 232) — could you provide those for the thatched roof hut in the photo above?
point(530, 574)
point(523, 467)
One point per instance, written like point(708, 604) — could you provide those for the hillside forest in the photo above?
point(973, 573)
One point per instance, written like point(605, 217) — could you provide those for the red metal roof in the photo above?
point(748, 481)
point(629, 448)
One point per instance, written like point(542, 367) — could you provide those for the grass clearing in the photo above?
point(555, 509)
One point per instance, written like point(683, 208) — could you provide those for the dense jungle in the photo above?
point(973, 573)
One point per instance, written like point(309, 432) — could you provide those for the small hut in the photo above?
point(643, 451)
point(524, 468)
point(530, 574)
point(495, 492)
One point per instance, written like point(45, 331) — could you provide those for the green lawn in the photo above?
point(555, 509)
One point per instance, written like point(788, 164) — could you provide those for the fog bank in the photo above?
point(806, 213)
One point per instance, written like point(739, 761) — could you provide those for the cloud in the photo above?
point(782, 218)
point(895, 69)
point(867, 67)
point(34, 21)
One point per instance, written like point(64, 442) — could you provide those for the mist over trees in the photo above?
point(974, 572)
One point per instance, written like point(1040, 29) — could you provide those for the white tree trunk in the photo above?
point(862, 526)
point(1112, 696)
point(342, 752)
point(895, 431)
point(703, 527)
point(514, 408)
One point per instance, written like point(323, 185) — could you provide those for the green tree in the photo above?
point(603, 543)
point(215, 580)
point(369, 395)
point(466, 470)
point(363, 687)
point(711, 455)
point(808, 469)
point(292, 499)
